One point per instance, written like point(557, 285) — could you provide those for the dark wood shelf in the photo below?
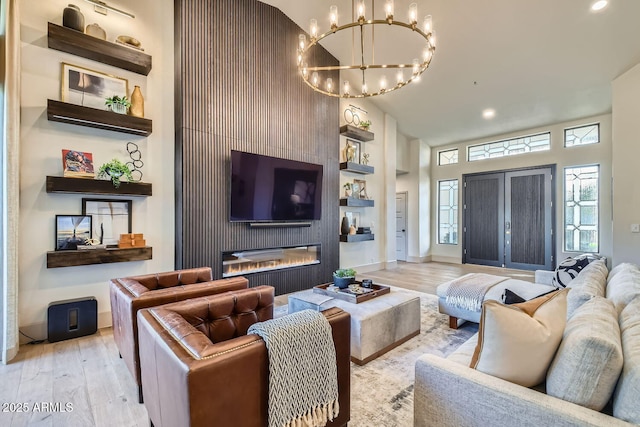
point(72, 41)
point(356, 133)
point(352, 201)
point(60, 184)
point(352, 238)
point(356, 168)
point(56, 259)
point(58, 111)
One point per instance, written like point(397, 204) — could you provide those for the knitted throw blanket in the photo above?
point(303, 378)
point(468, 291)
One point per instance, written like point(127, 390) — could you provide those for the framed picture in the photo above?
point(77, 164)
point(352, 151)
point(362, 189)
point(110, 218)
point(71, 231)
point(355, 190)
point(353, 218)
point(89, 88)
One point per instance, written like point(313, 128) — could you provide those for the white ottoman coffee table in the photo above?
point(377, 325)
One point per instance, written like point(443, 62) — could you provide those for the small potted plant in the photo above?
point(343, 277)
point(117, 104)
point(366, 124)
point(115, 170)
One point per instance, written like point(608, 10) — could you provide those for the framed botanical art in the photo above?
point(110, 218)
point(71, 231)
point(82, 86)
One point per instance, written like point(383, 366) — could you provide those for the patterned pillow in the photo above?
point(569, 269)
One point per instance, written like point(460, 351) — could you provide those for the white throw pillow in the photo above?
point(569, 269)
point(517, 342)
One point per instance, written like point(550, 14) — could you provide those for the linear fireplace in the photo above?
point(241, 263)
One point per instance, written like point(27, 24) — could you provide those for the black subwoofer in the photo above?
point(72, 318)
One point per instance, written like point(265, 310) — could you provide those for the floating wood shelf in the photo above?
point(60, 184)
point(356, 168)
point(72, 41)
point(352, 238)
point(352, 201)
point(356, 133)
point(57, 259)
point(64, 112)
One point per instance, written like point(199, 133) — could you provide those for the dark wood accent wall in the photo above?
point(237, 88)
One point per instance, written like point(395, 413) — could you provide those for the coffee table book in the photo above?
point(347, 295)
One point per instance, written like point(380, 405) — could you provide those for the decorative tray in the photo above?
point(354, 294)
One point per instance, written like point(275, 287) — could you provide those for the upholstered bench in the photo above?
point(377, 325)
point(457, 315)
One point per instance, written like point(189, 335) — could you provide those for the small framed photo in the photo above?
point(352, 151)
point(77, 164)
point(82, 86)
point(71, 231)
point(355, 190)
point(353, 218)
point(109, 218)
point(362, 189)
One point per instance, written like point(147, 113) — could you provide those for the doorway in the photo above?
point(401, 226)
point(508, 218)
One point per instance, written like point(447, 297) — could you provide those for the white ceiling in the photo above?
point(535, 62)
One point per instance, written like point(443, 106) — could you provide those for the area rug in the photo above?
point(382, 390)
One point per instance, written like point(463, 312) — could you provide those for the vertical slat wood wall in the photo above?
point(237, 89)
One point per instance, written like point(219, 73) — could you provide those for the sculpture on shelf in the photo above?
point(365, 158)
point(136, 162)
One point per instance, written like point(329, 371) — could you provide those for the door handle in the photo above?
point(403, 230)
point(507, 227)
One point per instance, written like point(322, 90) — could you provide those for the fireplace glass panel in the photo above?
point(241, 263)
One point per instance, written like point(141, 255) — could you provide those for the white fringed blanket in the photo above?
point(303, 379)
point(468, 291)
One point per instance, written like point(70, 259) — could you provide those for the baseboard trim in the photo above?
point(448, 259)
point(367, 268)
point(421, 259)
point(38, 331)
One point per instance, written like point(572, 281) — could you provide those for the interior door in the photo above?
point(401, 226)
point(484, 219)
point(528, 235)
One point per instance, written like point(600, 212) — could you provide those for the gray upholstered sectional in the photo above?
point(596, 370)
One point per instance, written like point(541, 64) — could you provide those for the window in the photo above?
point(509, 147)
point(448, 212)
point(582, 135)
point(448, 157)
point(581, 209)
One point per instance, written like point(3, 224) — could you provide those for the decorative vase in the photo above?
point(342, 282)
point(95, 30)
point(137, 103)
point(352, 230)
point(73, 18)
point(344, 228)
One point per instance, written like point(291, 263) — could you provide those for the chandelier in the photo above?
point(365, 66)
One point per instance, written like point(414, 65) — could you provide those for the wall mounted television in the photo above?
point(271, 189)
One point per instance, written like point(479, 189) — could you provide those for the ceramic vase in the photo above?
point(137, 103)
point(344, 228)
point(73, 18)
point(95, 30)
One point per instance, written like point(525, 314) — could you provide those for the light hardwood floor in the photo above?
point(88, 374)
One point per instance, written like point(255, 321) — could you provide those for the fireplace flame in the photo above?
point(242, 266)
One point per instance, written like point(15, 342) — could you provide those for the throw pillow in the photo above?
point(517, 342)
point(625, 399)
point(591, 282)
point(623, 285)
point(589, 360)
point(510, 297)
point(569, 269)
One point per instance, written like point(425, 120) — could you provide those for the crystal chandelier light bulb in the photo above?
point(313, 28)
point(364, 88)
point(388, 9)
point(333, 16)
point(360, 9)
point(329, 84)
point(428, 24)
point(427, 54)
point(416, 66)
point(346, 88)
point(400, 77)
point(432, 39)
point(383, 83)
point(315, 78)
point(305, 70)
point(413, 14)
point(302, 41)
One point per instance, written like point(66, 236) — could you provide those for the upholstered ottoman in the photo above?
point(458, 315)
point(377, 325)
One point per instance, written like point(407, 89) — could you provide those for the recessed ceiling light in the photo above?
point(599, 5)
point(489, 113)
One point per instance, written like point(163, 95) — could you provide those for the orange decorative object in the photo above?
point(132, 240)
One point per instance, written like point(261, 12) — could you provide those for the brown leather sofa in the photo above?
point(199, 368)
point(130, 294)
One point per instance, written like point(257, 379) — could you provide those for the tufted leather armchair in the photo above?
point(130, 294)
point(200, 368)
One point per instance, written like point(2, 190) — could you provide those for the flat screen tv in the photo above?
point(270, 189)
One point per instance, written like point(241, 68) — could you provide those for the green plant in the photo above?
point(365, 124)
point(345, 272)
point(115, 170)
point(116, 100)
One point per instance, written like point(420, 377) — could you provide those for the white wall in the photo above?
point(42, 142)
point(626, 152)
point(375, 254)
point(558, 155)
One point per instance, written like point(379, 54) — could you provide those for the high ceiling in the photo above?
point(535, 62)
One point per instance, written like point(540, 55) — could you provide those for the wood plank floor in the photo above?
point(82, 382)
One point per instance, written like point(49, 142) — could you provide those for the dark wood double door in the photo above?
point(508, 219)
